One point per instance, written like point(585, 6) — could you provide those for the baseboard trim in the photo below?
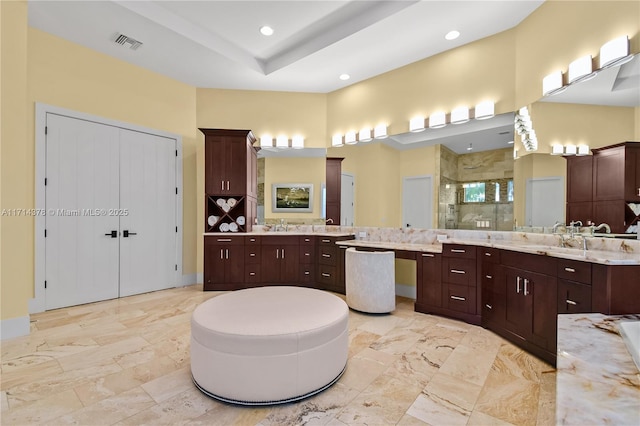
point(14, 327)
point(405, 290)
point(191, 279)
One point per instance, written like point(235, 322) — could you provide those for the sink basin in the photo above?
point(630, 332)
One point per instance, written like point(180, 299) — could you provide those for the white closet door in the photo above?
point(82, 186)
point(417, 202)
point(148, 202)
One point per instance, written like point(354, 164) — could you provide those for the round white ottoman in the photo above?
point(269, 345)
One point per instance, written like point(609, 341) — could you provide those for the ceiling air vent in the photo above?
point(123, 40)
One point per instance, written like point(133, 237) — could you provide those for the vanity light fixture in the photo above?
point(416, 124)
point(297, 142)
point(581, 70)
point(364, 135)
point(282, 141)
point(350, 138)
point(552, 84)
point(615, 52)
point(570, 150)
point(557, 149)
point(266, 141)
point(460, 115)
point(582, 150)
point(437, 120)
point(336, 141)
point(380, 131)
point(484, 110)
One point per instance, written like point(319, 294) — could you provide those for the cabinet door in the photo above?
point(289, 261)
point(429, 289)
point(518, 309)
point(608, 174)
point(493, 297)
point(214, 266)
point(543, 289)
point(270, 268)
point(632, 174)
point(234, 264)
point(214, 167)
point(611, 213)
point(579, 179)
point(236, 166)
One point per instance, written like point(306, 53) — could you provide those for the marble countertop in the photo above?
point(281, 234)
point(597, 381)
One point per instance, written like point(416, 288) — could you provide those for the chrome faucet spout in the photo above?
point(330, 220)
point(604, 226)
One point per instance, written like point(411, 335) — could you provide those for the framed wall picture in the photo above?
point(292, 197)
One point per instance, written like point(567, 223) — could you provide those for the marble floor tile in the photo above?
point(126, 362)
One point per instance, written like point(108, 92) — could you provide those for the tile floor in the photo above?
point(126, 362)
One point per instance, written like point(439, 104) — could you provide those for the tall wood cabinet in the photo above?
point(230, 180)
point(334, 192)
point(600, 188)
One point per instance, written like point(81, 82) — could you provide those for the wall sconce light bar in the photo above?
point(570, 150)
point(460, 115)
point(336, 141)
point(581, 69)
point(552, 84)
point(350, 138)
point(282, 141)
point(583, 150)
point(416, 124)
point(557, 149)
point(380, 131)
point(437, 120)
point(297, 142)
point(364, 135)
point(266, 141)
point(615, 52)
point(484, 110)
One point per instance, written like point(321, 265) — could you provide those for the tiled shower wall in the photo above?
point(490, 167)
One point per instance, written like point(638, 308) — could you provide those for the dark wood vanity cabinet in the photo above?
point(307, 261)
point(429, 278)
point(224, 263)
point(574, 286)
point(579, 189)
point(493, 298)
point(280, 259)
point(330, 264)
point(333, 189)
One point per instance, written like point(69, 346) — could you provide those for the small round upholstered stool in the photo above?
point(370, 282)
point(269, 345)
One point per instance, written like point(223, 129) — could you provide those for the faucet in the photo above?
point(606, 227)
point(557, 225)
point(329, 221)
point(575, 224)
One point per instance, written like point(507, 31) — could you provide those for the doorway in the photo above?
point(544, 201)
point(417, 202)
point(347, 197)
point(112, 198)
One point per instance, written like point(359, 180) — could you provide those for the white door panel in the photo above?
point(148, 197)
point(417, 202)
point(347, 197)
point(82, 185)
point(545, 201)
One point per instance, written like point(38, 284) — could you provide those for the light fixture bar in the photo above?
point(266, 141)
point(615, 52)
point(350, 138)
point(380, 131)
point(484, 110)
point(416, 124)
point(364, 135)
point(581, 69)
point(297, 142)
point(437, 120)
point(460, 115)
point(552, 84)
point(336, 141)
point(282, 141)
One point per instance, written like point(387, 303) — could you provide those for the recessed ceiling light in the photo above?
point(266, 30)
point(452, 35)
point(345, 76)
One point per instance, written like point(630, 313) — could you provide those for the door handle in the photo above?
point(518, 285)
point(526, 284)
point(126, 233)
point(283, 253)
point(227, 185)
point(226, 253)
point(112, 234)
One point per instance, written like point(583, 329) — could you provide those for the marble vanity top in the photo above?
point(597, 381)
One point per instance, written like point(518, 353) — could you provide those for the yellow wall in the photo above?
point(302, 170)
point(16, 164)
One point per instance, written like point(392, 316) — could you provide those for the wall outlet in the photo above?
point(362, 234)
point(441, 237)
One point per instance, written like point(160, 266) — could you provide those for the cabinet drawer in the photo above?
point(460, 298)
point(252, 255)
point(326, 274)
point(252, 240)
point(330, 241)
point(459, 271)
point(459, 251)
point(279, 240)
point(307, 254)
point(307, 273)
point(573, 298)
point(574, 270)
point(306, 240)
point(490, 278)
point(252, 273)
point(328, 255)
point(488, 254)
point(227, 241)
